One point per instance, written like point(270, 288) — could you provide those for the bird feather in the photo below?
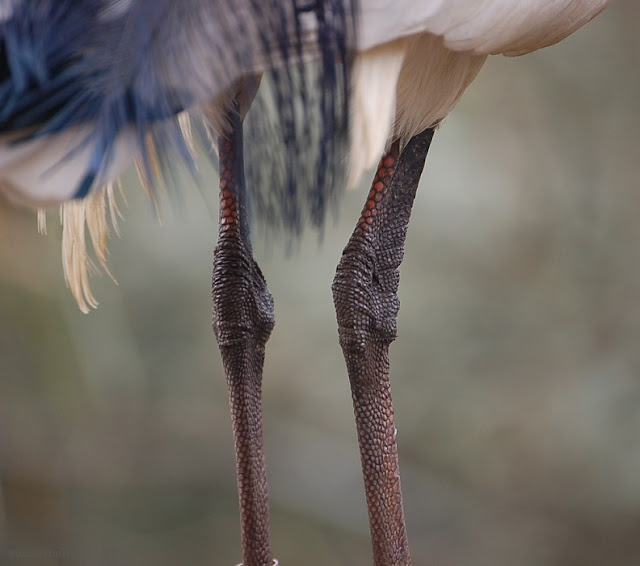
point(486, 27)
point(110, 76)
point(86, 86)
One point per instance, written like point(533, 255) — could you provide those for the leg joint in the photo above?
point(365, 300)
point(242, 304)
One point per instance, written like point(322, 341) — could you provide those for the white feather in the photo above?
point(373, 104)
point(402, 88)
point(430, 86)
point(512, 27)
point(48, 170)
point(434, 75)
point(444, 44)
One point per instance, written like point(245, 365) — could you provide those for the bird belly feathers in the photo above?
point(414, 60)
point(48, 170)
point(402, 88)
point(431, 51)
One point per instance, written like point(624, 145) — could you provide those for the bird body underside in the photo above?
point(403, 46)
point(88, 86)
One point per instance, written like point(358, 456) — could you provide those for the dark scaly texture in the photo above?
point(242, 321)
point(364, 292)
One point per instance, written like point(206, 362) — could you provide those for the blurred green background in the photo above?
point(516, 372)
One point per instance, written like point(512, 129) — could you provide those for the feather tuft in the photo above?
point(42, 221)
point(93, 215)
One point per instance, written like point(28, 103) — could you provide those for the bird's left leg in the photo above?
point(364, 293)
point(242, 320)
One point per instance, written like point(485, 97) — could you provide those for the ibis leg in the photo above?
point(242, 321)
point(364, 294)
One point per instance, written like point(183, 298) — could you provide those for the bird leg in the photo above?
point(364, 294)
point(242, 321)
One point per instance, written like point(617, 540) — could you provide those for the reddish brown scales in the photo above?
point(228, 196)
point(365, 296)
point(242, 321)
point(379, 188)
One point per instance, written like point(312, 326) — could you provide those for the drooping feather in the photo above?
point(110, 75)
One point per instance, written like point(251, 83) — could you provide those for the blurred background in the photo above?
point(516, 372)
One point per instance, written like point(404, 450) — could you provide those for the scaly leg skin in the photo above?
point(364, 294)
point(242, 321)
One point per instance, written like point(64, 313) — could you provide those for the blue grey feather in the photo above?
point(117, 64)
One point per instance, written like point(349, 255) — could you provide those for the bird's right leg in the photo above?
point(365, 295)
point(242, 321)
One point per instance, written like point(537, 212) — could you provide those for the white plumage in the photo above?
point(487, 27)
point(415, 59)
point(433, 50)
point(41, 172)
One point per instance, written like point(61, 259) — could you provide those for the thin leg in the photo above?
point(242, 321)
point(364, 294)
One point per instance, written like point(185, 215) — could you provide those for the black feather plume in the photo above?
point(118, 65)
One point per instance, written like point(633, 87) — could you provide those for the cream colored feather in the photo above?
point(93, 214)
point(373, 104)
